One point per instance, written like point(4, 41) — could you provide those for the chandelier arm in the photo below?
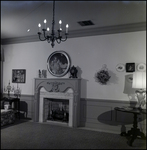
point(48, 40)
point(40, 37)
point(63, 40)
point(45, 37)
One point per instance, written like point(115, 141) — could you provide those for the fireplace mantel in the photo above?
point(58, 85)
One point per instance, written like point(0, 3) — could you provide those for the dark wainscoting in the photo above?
point(100, 115)
point(95, 114)
point(26, 105)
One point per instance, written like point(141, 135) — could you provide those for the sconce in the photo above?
point(139, 83)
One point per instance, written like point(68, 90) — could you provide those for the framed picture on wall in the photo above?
point(58, 63)
point(18, 75)
point(130, 67)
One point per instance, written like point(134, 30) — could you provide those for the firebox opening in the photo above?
point(58, 110)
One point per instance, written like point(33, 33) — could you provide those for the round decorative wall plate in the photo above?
point(141, 67)
point(120, 67)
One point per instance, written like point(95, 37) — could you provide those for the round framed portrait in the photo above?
point(58, 63)
point(120, 67)
point(141, 67)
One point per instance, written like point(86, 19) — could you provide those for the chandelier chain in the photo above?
point(53, 21)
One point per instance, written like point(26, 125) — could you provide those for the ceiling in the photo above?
point(19, 16)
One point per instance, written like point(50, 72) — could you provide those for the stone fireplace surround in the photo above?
point(60, 88)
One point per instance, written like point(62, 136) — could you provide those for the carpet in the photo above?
point(31, 135)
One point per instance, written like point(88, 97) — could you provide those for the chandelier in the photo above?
point(51, 37)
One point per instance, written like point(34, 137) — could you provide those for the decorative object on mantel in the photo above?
point(52, 37)
point(8, 89)
point(17, 92)
point(139, 83)
point(120, 67)
point(18, 75)
point(103, 76)
point(42, 74)
point(58, 63)
point(73, 72)
point(39, 73)
point(130, 67)
point(141, 67)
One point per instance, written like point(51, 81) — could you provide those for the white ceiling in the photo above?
point(19, 16)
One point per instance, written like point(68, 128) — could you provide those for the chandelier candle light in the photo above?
point(52, 37)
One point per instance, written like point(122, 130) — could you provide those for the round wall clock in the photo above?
point(141, 67)
point(120, 67)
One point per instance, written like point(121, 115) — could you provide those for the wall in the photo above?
point(89, 54)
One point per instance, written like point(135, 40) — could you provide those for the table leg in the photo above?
point(123, 134)
point(134, 132)
point(19, 108)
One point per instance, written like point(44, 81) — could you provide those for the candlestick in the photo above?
point(39, 25)
point(60, 22)
point(48, 29)
point(45, 21)
point(67, 28)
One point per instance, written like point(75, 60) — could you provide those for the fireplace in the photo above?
point(55, 97)
point(64, 91)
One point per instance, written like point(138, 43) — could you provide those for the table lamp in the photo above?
point(139, 83)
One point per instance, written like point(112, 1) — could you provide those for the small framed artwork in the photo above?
point(130, 67)
point(58, 63)
point(120, 67)
point(141, 67)
point(18, 75)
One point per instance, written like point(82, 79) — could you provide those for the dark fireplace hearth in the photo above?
point(59, 115)
point(58, 110)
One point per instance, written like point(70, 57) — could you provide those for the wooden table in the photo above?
point(16, 102)
point(134, 132)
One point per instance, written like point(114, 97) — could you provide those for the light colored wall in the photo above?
point(88, 53)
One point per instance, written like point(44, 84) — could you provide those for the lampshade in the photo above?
point(139, 80)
